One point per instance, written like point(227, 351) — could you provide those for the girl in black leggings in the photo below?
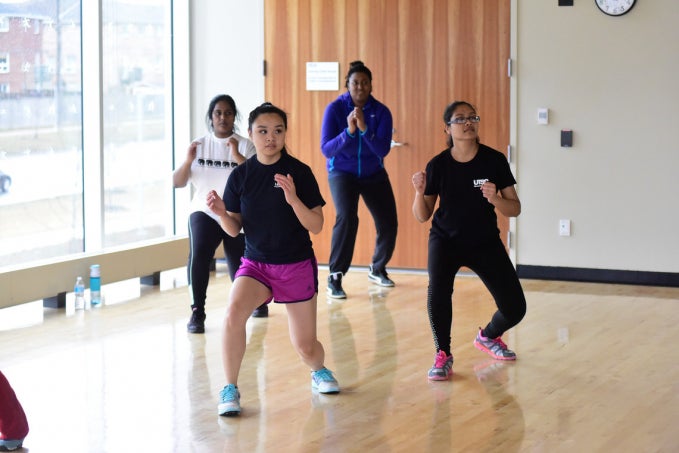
point(209, 162)
point(471, 181)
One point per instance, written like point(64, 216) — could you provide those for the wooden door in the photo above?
point(423, 54)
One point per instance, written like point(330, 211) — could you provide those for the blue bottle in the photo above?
point(95, 285)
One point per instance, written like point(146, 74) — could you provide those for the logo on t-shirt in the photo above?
point(479, 182)
point(216, 163)
point(275, 184)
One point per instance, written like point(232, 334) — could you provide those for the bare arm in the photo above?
point(180, 177)
point(506, 200)
point(237, 157)
point(229, 221)
point(423, 205)
point(311, 219)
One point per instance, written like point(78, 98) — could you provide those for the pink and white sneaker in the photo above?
point(443, 367)
point(495, 347)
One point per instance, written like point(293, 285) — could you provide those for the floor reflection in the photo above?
point(339, 422)
point(254, 415)
point(198, 388)
point(440, 432)
point(494, 375)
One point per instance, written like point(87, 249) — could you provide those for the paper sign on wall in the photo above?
point(322, 76)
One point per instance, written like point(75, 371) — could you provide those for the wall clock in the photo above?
point(615, 7)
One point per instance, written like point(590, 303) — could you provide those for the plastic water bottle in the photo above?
point(79, 290)
point(95, 285)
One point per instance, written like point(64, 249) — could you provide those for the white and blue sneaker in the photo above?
point(229, 401)
point(324, 382)
point(10, 444)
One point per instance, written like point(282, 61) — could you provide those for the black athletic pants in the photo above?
point(493, 266)
point(378, 197)
point(205, 235)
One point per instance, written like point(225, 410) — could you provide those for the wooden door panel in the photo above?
point(423, 55)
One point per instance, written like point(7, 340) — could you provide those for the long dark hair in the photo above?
point(448, 114)
point(211, 108)
point(268, 107)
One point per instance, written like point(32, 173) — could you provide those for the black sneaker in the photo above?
point(261, 312)
point(197, 322)
point(335, 290)
point(380, 277)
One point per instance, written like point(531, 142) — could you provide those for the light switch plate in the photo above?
point(564, 227)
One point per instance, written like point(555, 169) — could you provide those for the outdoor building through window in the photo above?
point(46, 199)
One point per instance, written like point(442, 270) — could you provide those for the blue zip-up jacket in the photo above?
point(360, 154)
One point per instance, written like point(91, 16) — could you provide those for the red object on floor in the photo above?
point(13, 422)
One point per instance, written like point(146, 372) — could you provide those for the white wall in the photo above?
point(613, 80)
point(227, 56)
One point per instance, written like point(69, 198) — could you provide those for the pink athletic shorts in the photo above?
point(294, 282)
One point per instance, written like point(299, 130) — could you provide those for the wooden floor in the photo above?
point(597, 371)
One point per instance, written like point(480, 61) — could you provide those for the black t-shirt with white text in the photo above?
point(273, 233)
point(463, 213)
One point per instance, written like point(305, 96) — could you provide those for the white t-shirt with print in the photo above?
point(212, 166)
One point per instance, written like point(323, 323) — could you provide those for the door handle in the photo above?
point(394, 143)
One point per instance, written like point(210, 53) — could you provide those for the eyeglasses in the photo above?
point(463, 120)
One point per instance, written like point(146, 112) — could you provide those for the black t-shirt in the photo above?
point(273, 234)
point(463, 213)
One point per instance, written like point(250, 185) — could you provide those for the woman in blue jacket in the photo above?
point(355, 138)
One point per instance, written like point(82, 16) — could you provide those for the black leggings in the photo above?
point(205, 234)
point(493, 266)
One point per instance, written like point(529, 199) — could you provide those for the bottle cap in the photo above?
point(95, 271)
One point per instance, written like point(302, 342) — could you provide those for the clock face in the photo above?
point(615, 7)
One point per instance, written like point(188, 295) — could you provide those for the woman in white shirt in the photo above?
point(208, 164)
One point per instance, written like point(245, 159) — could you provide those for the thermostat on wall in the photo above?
point(543, 116)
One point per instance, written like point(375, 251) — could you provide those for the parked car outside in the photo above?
point(5, 182)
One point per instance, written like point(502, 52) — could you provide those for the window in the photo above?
point(41, 127)
point(137, 108)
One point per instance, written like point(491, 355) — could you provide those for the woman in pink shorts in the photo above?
point(279, 262)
